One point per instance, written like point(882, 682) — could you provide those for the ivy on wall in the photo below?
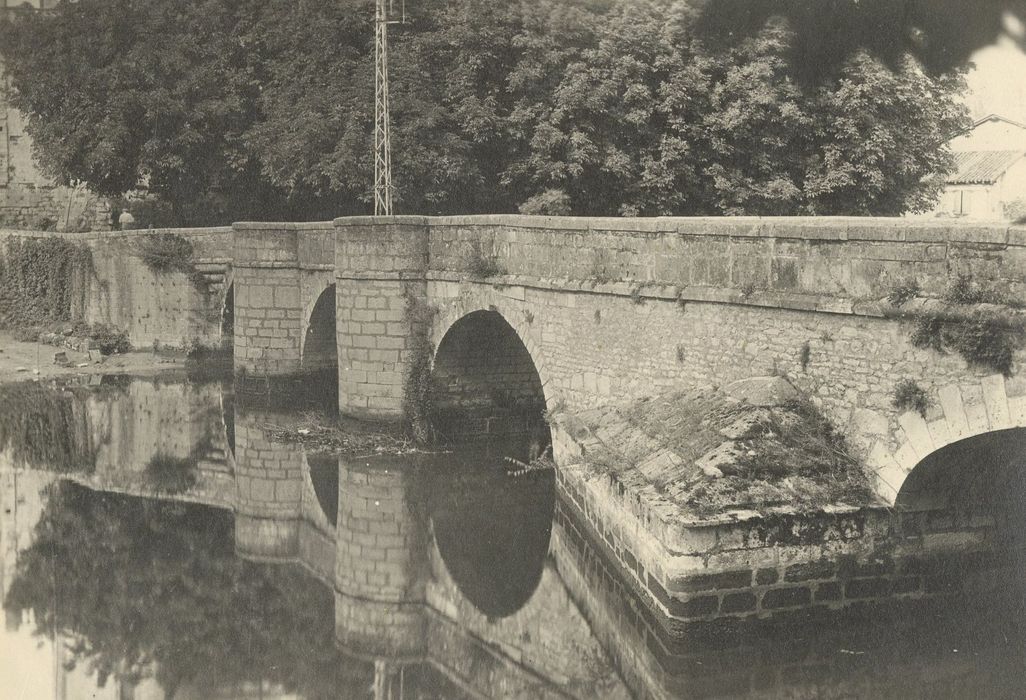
point(38, 280)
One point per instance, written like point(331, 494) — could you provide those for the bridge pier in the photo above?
point(380, 269)
point(380, 562)
point(269, 482)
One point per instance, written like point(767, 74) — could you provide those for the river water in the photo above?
point(157, 543)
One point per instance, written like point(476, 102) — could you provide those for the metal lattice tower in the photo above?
point(384, 15)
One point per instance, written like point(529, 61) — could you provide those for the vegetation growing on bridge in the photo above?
point(551, 106)
point(709, 453)
point(909, 396)
point(975, 323)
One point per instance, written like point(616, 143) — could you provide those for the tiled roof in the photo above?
point(981, 167)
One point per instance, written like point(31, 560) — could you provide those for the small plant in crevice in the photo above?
point(826, 337)
point(636, 297)
point(598, 316)
point(747, 290)
point(529, 317)
point(963, 291)
point(681, 354)
point(926, 333)
point(804, 355)
point(903, 291)
point(480, 265)
point(909, 396)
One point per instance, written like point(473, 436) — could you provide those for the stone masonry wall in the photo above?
point(166, 308)
point(612, 308)
point(778, 563)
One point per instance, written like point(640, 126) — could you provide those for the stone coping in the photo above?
point(109, 235)
point(282, 226)
point(836, 228)
point(839, 228)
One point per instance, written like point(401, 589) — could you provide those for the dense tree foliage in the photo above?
point(236, 109)
point(144, 586)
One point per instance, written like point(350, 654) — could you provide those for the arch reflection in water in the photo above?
point(324, 477)
point(492, 529)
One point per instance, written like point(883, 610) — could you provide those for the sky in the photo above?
point(998, 83)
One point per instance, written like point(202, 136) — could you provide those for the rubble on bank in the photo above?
point(752, 445)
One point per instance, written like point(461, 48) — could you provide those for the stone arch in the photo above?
point(318, 351)
point(500, 307)
point(319, 345)
point(992, 404)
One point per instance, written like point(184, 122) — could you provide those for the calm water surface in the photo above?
point(155, 543)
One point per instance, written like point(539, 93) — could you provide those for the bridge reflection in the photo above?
point(440, 576)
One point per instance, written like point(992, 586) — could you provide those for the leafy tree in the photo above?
point(265, 110)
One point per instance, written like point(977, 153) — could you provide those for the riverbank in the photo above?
point(21, 360)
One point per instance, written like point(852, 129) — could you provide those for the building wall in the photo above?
point(28, 198)
point(991, 135)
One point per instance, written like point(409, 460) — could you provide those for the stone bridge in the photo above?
point(578, 312)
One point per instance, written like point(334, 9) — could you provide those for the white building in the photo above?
point(989, 178)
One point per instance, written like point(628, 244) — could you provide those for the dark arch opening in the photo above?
point(228, 317)
point(320, 353)
point(492, 529)
point(976, 478)
point(484, 380)
point(324, 477)
point(967, 501)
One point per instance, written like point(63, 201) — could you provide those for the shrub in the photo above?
point(110, 339)
point(903, 291)
point(909, 396)
point(166, 252)
point(962, 291)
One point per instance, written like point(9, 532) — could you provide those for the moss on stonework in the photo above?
point(707, 452)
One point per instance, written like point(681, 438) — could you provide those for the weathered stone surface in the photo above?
point(762, 391)
point(723, 455)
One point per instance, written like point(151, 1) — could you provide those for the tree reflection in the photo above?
point(150, 587)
